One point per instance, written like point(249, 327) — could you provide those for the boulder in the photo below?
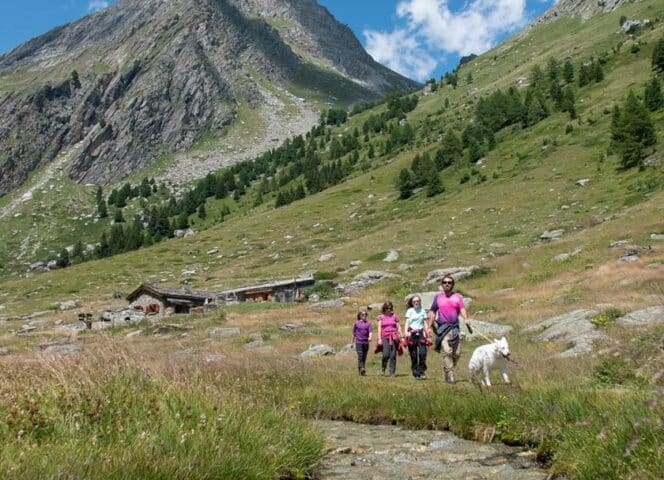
point(317, 351)
point(574, 327)
point(551, 234)
point(647, 316)
point(4, 351)
point(336, 303)
point(658, 237)
point(292, 327)
point(314, 297)
point(457, 273)
point(215, 358)
point(325, 257)
point(583, 182)
point(223, 332)
point(392, 256)
point(365, 279)
point(69, 304)
point(169, 328)
point(346, 349)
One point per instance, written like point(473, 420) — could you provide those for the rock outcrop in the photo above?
point(144, 77)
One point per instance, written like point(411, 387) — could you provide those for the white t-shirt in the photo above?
point(415, 318)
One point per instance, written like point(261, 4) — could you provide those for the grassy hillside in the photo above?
point(596, 416)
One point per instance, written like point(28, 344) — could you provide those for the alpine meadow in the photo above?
point(532, 173)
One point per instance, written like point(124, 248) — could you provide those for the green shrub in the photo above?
point(606, 316)
point(322, 275)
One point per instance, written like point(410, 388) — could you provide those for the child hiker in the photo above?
point(390, 336)
point(416, 337)
point(361, 338)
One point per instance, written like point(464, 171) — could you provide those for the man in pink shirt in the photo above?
point(446, 308)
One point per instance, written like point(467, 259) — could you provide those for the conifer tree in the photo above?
point(652, 96)
point(102, 210)
point(658, 56)
point(405, 183)
point(201, 211)
point(568, 71)
point(78, 250)
point(117, 217)
point(632, 130)
point(585, 75)
point(434, 185)
point(553, 70)
point(63, 260)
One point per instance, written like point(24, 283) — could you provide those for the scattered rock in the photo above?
point(629, 258)
point(582, 182)
point(653, 160)
point(26, 329)
point(4, 351)
point(336, 303)
point(69, 304)
point(551, 235)
point(169, 328)
point(657, 236)
point(457, 273)
point(127, 315)
point(256, 345)
point(497, 245)
point(223, 332)
point(630, 26)
point(133, 334)
point(346, 349)
point(646, 316)
point(619, 243)
point(292, 327)
point(317, 351)
point(38, 267)
point(213, 251)
point(314, 297)
point(356, 263)
point(404, 266)
point(365, 279)
point(325, 257)
point(392, 256)
point(574, 327)
point(214, 358)
point(564, 256)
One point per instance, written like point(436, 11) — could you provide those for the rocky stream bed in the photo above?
point(380, 452)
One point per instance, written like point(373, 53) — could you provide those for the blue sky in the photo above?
point(417, 38)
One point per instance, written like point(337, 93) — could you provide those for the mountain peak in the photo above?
point(144, 77)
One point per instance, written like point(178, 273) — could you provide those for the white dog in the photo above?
point(485, 356)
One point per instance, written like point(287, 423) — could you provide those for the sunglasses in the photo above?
point(447, 283)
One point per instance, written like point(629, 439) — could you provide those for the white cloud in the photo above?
point(433, 29)
point(95, 5)
point(400, 52)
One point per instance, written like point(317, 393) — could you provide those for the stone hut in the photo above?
point(285, 291)
point(155, 299)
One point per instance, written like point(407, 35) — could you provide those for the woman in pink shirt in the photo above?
point(390, 336)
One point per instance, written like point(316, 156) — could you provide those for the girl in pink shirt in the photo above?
point(390, 336)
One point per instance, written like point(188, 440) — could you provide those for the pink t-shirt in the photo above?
point(388, 325)
point(448, 307)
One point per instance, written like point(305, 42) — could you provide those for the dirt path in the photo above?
point(387, 453)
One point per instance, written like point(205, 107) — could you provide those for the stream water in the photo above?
point(379, 452)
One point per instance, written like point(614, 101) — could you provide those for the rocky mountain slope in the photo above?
point(578, 8)
point(144, 77)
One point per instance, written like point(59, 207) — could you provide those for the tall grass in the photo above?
point(110, 417)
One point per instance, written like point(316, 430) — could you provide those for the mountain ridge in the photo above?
point(123, 80)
